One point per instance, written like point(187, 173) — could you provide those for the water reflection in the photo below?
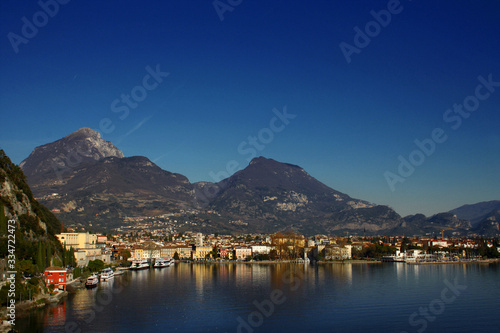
point(208, 297)
point(56, 314)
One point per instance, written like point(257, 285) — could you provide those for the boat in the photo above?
point(139, 264)
point(163, 262)
point(398, 257)
point(92, 281)
point(107, 274)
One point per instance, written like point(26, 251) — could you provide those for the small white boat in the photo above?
point(139, 264)
point(92, 281)
point(107, 274)
point(163, 262)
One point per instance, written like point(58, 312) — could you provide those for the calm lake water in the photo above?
point(388, 297)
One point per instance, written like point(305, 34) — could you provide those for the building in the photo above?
point(168, 251)
point(83, 256)
point(57, 276)
point(184, 252)
point(85, 246)
point(440, 243)
point(101, 240)
point(201, 252)
point(199, 239)
point(260, 249)
point(78, 240)
point(138, 252)
point(338, 252)
point(241, 253)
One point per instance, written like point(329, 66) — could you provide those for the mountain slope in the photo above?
point(476, 212)
point(35, 224)
point(85, 179)
point(88, 179)
point(420, 224)
point(55, 160)
point(490, 225)
point(270, 195)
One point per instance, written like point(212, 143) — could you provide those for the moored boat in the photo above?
point(92, 281)
point(107, 274)
point(163, 262)
point(139, 264)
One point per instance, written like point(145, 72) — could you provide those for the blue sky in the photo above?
point(349, 122)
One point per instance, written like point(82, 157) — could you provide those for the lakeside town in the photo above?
point(89, 257)
point(91, 252)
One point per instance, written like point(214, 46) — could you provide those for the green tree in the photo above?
point(48, 255)
point(77, 272)
point(40, 258)
point(215, 252)
point(26, 266)
point(96, 265)
point(176, 256)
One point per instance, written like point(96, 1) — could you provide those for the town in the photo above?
point(122, 249)
point(87, 253)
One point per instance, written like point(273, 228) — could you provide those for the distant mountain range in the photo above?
point(477, 212)
point(85, 179)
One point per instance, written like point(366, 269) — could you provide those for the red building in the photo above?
point(57, 276)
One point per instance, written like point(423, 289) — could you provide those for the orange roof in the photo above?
point(55, 268)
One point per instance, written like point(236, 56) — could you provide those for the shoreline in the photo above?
point(275, 262)
point(483, 261)
point(23, 308)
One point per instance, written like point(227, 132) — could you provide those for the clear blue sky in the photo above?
point(353, 120)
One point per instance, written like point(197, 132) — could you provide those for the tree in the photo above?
point(26, 266)
point(96, 265)
point(40, 258)
point(176, 256)
point(215, 252)
point(48, 255)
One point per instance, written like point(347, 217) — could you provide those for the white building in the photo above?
point(260, 249)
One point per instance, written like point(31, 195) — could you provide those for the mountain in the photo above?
point(35, 226)
point(419, 224)
point(475, 213)
point(56, 159)
point(84, 178)
point(269, 196)
point(489, 225)
point(87, 180)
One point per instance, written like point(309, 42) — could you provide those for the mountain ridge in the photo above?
point(266, 196)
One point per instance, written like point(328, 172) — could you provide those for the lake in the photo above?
point(358, 297)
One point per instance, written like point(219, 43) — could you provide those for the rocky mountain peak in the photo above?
point(76, 148)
